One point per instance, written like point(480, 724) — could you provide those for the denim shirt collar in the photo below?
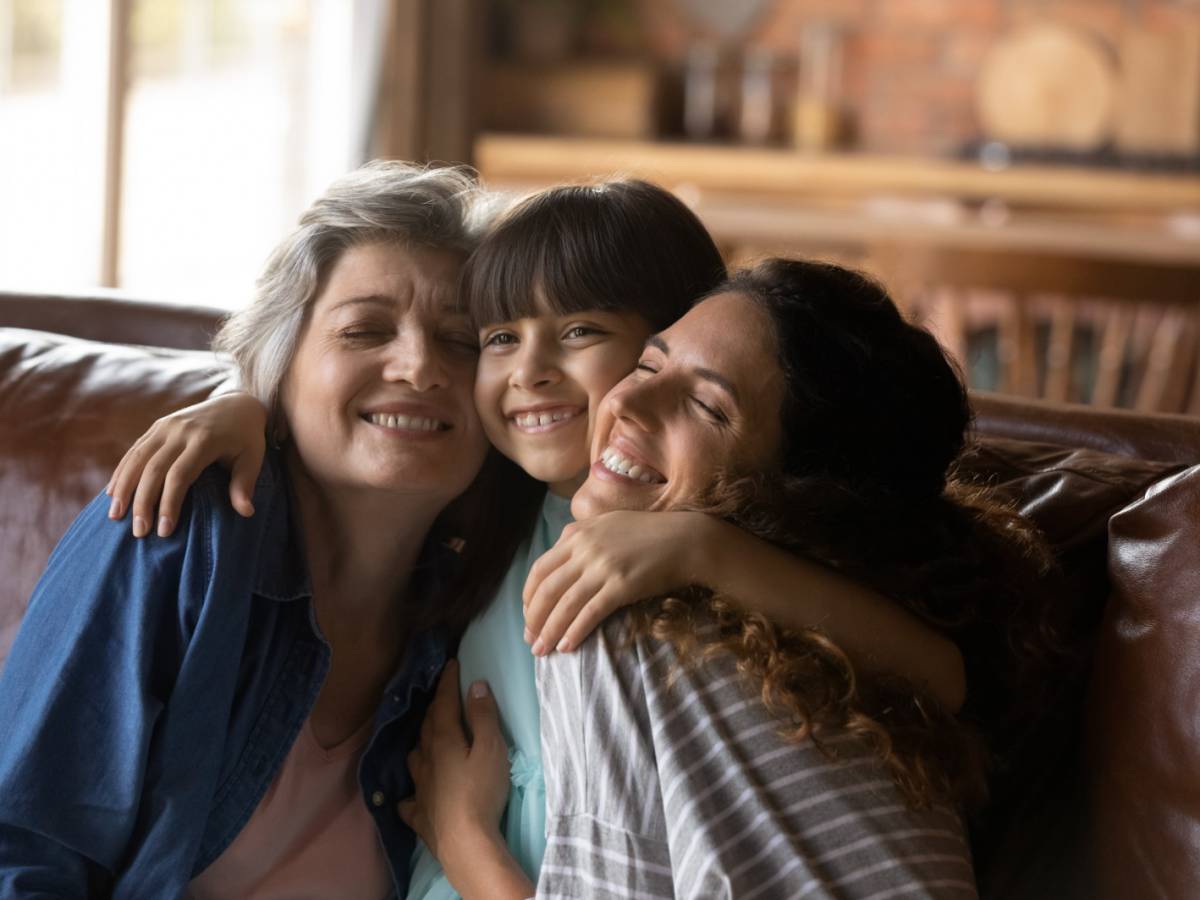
point(282, 565)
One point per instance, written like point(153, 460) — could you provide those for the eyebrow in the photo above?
point(369, 299)
point(716, 378)
point(449, 308)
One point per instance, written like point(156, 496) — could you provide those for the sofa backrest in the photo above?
point(112, 317)
point(69, 409)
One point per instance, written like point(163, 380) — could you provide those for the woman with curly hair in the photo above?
point(694, 749)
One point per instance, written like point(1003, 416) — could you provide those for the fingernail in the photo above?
point(539, 648)
point(164, 526)
point(140, 527)
point(528, 636)
point(114, 508)
point(564, 645)
point(479, 689)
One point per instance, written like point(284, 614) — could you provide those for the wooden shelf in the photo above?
point(503, 158)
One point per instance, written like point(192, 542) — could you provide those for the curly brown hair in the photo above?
point(808, 681)
point(874, 417)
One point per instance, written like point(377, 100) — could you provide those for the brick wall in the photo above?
point(910, 65)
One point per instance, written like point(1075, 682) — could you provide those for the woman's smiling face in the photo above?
point(705, 398)
point(540, 381)
point(378, 394)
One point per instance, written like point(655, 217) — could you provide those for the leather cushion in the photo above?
point(1144, 704)
point(69, 409)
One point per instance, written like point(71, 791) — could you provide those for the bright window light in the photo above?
point(237, 113)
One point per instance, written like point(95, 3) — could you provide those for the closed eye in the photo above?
point(360, 334)
point(712, 412)
point(462, 340)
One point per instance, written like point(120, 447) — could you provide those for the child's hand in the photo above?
point(604, 563)
point(167, 459)
point(461, 782)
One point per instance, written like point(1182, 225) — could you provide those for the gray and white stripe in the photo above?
point(665, 782)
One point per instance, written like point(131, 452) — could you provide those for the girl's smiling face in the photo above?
point(540, 381)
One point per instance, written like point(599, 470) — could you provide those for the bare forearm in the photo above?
point(488, 872)
point(877, 634)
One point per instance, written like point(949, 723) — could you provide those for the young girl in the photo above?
point(565, 290)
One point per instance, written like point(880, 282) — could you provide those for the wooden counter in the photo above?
point(523, 158)
point(1075, 231)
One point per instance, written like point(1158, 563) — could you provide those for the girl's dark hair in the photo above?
point(873, 418)
point(488, 523)
point(622, 245)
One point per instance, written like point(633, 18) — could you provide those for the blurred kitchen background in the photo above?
point(1024, 174)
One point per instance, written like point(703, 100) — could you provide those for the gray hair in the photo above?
point(384, 200)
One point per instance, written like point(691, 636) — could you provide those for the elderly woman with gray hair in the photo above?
point(200, 715)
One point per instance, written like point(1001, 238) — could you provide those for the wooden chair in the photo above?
point(1094, 331)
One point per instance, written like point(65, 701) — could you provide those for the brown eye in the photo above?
point(500, 339)
point(580, 331)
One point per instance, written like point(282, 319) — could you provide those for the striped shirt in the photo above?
point(669, 782)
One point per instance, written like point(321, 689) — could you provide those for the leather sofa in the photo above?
point(1107, 803)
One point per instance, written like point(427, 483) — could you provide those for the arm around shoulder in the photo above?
point(878, 634)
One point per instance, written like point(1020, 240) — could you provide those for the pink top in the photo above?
point(311, 835)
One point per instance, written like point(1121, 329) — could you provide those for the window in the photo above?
point(171, 167)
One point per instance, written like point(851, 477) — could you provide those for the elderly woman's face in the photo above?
point(705, 397)
point(379, 391)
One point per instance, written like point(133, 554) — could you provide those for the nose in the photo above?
point(536, 366)
point(637, 402)
point(416, 358)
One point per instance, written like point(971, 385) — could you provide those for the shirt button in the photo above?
point(377, 798)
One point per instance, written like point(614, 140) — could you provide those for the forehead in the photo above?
point(392, 274)
point(728, 333)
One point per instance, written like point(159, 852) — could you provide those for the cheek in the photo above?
point(318, 386)
point(487, 395)
point(609, 370)
point(602, 415)
point(699, 454)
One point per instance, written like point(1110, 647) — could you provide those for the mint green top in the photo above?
point(493, 648)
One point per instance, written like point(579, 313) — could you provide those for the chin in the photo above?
point(584, 505)
point(592, 500)
point(550, 471)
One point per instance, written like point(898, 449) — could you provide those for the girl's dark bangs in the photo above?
point(532, 267)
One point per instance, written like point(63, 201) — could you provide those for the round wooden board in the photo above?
point(1047, 86)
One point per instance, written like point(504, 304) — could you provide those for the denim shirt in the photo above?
point(155, 688)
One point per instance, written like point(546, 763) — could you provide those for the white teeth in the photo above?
point(407, 423)
point(615, 462)
point(534, 420)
